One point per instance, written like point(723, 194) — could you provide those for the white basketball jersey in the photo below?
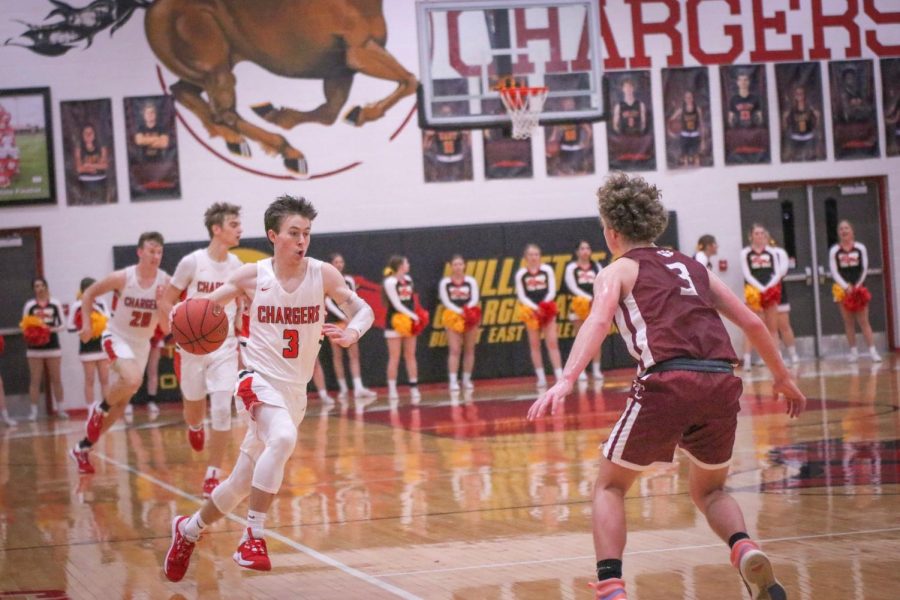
point(198, 273)
point(134, 308)
point(286, 328)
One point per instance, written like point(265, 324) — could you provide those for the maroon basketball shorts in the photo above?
point(691, 410)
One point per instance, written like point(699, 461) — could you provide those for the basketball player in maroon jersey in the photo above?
point(286, 294)
point(667, 306)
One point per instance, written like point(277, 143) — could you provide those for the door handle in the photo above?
point(809, 276)
point(822, 275)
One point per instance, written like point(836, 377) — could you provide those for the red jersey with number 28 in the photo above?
point(285, 328)
point(669, 312)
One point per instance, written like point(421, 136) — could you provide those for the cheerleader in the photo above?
point(579, 277)
point(536, 290)
point(43, 314)
point(336, 315)
point(398, 298)
point(707, 249)
point(849, 263)
point(459, 295)
point(783, 312)
point(758, 264)
point(90, 353)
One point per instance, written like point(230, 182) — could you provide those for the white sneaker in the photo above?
point(454, 386)
point(873, 354)
point(363, 393)
point(854, 355)
point(598, 376)
point(129, 410)
point(325, 398)
point(582, 378)
point(759, 578)
point(541, 382)
point(8, 421)
point(747, 362)
point(468, 385)
point(415, 395)
point(393, 394)
point(33, 412)
point(61, 414)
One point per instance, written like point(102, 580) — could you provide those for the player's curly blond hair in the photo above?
point(632, 207)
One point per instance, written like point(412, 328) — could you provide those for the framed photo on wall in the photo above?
point(26, 147)
point(629, 133)
point(88, 154)
point(152, 148)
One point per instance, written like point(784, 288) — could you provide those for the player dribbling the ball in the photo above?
point(126, 339)
point(287, 314)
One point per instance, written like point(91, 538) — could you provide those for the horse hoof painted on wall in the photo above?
point(201, 41)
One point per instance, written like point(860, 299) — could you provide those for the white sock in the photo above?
point(467, 377)
point(454, 379)
point(598, 373)
point(358, 384)
point(343, 386)
point(792, 351)
point(212, 472)
point(33, 412)
point(557, 373)
point(392, 387)
point(257, 523)
point(542, 379)
point(193, 527)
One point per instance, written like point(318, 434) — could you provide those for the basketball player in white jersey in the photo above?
point(286, 295)
point(201, 272)
point(126, 339)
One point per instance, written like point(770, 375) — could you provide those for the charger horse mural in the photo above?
point(201, 41)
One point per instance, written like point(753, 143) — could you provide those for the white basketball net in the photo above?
point(524, 106)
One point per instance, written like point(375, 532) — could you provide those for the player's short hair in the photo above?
point(285, 205)
point(150, 236)
point(215, 215)
point(631, 206)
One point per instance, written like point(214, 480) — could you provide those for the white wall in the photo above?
point(387, 190)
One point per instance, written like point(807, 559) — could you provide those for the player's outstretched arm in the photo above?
point(607, 289)
point(731, 307)
point(241, 283)
point(113, 282)
point(360, 314)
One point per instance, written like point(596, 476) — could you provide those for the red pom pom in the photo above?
point(472, 316)
point(78, 321)
point(2, 344)
point(857, 298)
point(36, 336)
point(547, 311)
point(420, 326)
point(771, 297)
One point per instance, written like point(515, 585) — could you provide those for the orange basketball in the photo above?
point(199, 326)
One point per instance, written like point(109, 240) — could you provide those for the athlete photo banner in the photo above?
point(745, 112)
point(152, 148)
point(800, 110)
point(629, 132)
point(88, 152)
point(853, 114)
point(688, 126)
point(493, 255)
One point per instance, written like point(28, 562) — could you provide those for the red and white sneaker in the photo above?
point(252, 553)
point(197, 437)
point(94, 423)
point(756, 571)
point(178, 558)
point(209, 484)
point(609, 589)
point(81, 459)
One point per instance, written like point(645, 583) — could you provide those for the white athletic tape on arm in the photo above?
point(360, 313)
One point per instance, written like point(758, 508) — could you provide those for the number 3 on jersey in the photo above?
point(292, 350)
point(690, 290)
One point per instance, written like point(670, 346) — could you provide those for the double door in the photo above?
point(803, 218)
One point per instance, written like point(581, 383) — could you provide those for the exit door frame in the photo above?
point(880, 181)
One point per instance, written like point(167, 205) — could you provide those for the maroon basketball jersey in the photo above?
point(669, 312)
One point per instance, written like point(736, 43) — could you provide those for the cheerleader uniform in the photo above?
point(90, 350)
point(51, 313)
point(580, 282)
point(399, 292)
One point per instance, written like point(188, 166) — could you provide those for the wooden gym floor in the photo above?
point(460, 498)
